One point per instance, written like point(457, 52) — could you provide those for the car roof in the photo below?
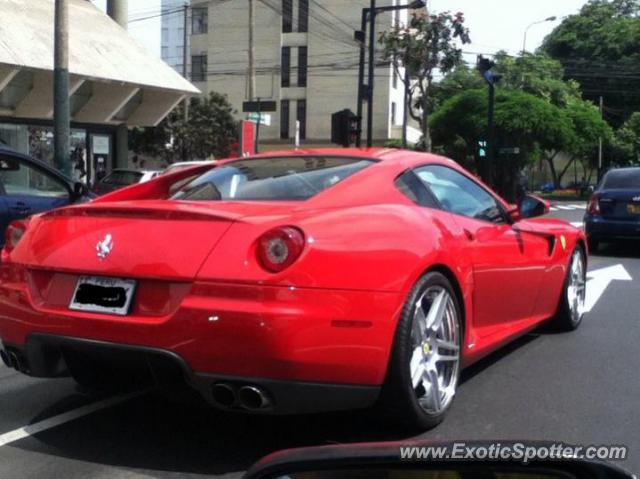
point(407, 157)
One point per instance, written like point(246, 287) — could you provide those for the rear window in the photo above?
point(123, 178)
point(294, 178)
point(622, 179)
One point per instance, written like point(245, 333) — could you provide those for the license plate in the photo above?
point(98, 294)
point(633, 209)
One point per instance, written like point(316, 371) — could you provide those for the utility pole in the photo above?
point(61, 112)
point(361, 36)
point(118, 10)
point(185, 69)
point(372, 64)
point(600, 141)
point(252, 71)
point(405, 111)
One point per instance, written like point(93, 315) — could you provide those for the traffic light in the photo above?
point(344, 127)
point(484, 66)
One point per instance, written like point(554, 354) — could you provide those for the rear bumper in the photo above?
point(314, 339)
point(46, 355)
point(602, 228)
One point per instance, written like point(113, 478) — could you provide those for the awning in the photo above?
point(113, 79)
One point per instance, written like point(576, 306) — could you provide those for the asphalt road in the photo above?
point(580, 388)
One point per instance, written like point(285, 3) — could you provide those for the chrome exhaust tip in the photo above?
point(224, 394)
point(253, 398)
point(13, 360)
point(6, 359)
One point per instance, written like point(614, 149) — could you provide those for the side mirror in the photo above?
point(80, 189)
point(531, 206)
point(431, 460)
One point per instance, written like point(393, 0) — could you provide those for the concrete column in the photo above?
point(118, 10)
point(121, 158)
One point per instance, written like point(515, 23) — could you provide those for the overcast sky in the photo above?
point(494, 24)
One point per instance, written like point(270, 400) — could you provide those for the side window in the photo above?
point(459, 194)
point(22, 179)
point(411, 186)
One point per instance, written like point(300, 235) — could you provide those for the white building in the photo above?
point(172, 36)
point(306, 60)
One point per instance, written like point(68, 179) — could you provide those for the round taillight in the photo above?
point(12, 236)
point(280, 247)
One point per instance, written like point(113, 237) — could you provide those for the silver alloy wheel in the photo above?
point(576, 287)
point(435, 341)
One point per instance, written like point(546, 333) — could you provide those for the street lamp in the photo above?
point(524, 41)
point(370, 15)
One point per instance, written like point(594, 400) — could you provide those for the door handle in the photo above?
point(470, 236)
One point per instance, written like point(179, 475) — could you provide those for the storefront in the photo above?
point(91, 151)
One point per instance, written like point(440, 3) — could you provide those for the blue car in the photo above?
point(613, 211)
point(29, 186)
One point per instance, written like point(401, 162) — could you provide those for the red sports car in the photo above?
point(290, 282)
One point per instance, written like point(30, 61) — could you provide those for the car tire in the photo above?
point(408, 398)
point(593, 245)
point(571, 307)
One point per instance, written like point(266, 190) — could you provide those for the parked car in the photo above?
point(613, 211)
point(121, 177)
point(29, 186)
point(292, 282)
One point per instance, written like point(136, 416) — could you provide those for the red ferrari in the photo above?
point(291, 282)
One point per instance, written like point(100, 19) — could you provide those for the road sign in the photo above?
point(510, 151)
point(264, 118)
point(255, 106)
point(599, 280)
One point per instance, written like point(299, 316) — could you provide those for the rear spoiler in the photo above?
point(157, 189)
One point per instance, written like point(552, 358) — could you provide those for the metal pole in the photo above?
point(257, 146)
point(490, 135)
point(297, 134)
point(372, 64)
point(61, 112)
point(405, 113)
point(252, 72)
point(185, 70)
point(363, 29)
point(600, 141)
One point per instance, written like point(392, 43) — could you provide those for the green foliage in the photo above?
point(426, 45)
point(538, 74)
point(600, 49)
point(625, 146)
point(210, 130)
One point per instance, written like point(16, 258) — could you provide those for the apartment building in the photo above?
point(172, 36)
point(306, 59)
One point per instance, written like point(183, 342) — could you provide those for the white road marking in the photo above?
point(580, 207)
point(577, 224)
point(553, 208)
point(599, 280)
point(563, 207)
point(55, 421)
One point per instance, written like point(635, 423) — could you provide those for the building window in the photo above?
point(302, 66)
point(287, 16)
point(301, 116)
point(284, 119)
point(285, 70)
point(165, 53)
point(199, 67)
point(165, 35)
point(199, 20)
point(303, 16)
point(394, 110)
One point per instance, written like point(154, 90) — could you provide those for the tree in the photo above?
point(600, 49)
point(521, 119)
point(210, 130)
point(426, 45)
point(625, 148)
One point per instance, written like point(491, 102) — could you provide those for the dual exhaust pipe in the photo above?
point(251, 398)
point(10, 359)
